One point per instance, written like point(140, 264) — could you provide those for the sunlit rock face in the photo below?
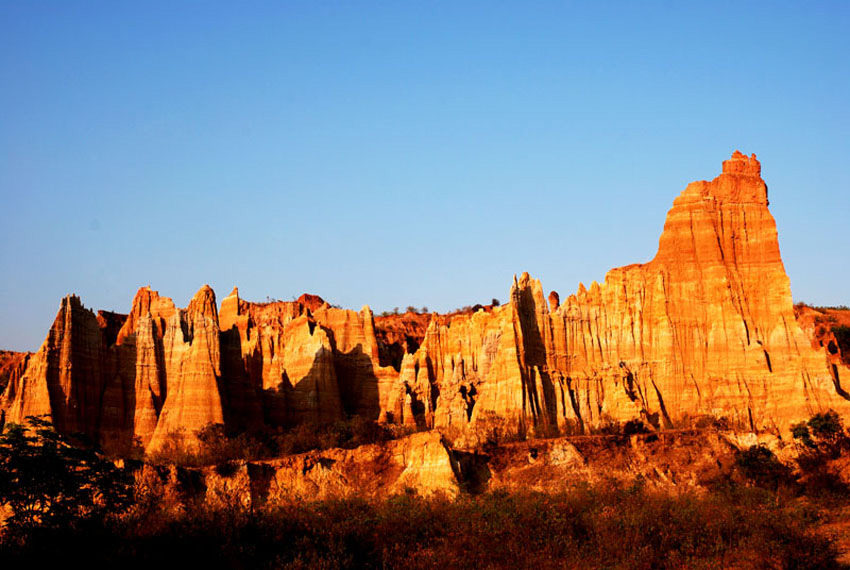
point(706, 327)
point(421, 462)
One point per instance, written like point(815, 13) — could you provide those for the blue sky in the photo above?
point(399, 153)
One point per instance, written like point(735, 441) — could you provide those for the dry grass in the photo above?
point(611, 526)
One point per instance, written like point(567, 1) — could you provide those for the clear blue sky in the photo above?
point(399, 153)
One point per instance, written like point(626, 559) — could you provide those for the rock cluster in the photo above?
point(705, 328)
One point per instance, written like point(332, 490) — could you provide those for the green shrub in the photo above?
point(635, 427)
point(823, 434)
point(760, 467)
point(801, 433)
point(826, 426)
point(822, 440)
point(52, 485)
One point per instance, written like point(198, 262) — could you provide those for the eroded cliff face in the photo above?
point(706, 327)
point(399, 335)
point(12, 367)
point(159, 373)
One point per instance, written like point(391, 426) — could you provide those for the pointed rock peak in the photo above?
point(204, 303)
point(742, 165)
point(146, 302)
point(230, 310)
point(582, 290)
point(145, 296)
point(524, 279)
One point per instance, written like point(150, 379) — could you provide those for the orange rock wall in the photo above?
point(706, 327)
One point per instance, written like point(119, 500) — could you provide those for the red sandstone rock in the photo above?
point(147, 302)
point(554, 301)
point(193, 369)
point(311, 302)
point(820, 325)
point(706, 327)
point(12, 366)
point(398, 335)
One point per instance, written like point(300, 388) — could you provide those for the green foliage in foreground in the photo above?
point(760, 466)
point(604, 526)
point(48, 484)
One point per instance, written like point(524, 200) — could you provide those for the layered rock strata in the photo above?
point(705, 328)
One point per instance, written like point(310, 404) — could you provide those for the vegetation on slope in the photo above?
point(762, 513)
point(592, 526)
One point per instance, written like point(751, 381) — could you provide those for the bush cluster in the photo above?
point(759, 466)
point(821, 440)
point(823, 434)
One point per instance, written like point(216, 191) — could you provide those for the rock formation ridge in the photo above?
point(706, 327)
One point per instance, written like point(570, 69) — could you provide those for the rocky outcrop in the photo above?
point(421, 463)
point(425, 464)
point(829, 331)
point(192, 359)
point(706, 327)
point(161, 373)
point(51, 385)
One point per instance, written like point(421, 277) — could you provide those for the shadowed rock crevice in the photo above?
point(358, 383)
point(837, 382)
point(472, 470)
